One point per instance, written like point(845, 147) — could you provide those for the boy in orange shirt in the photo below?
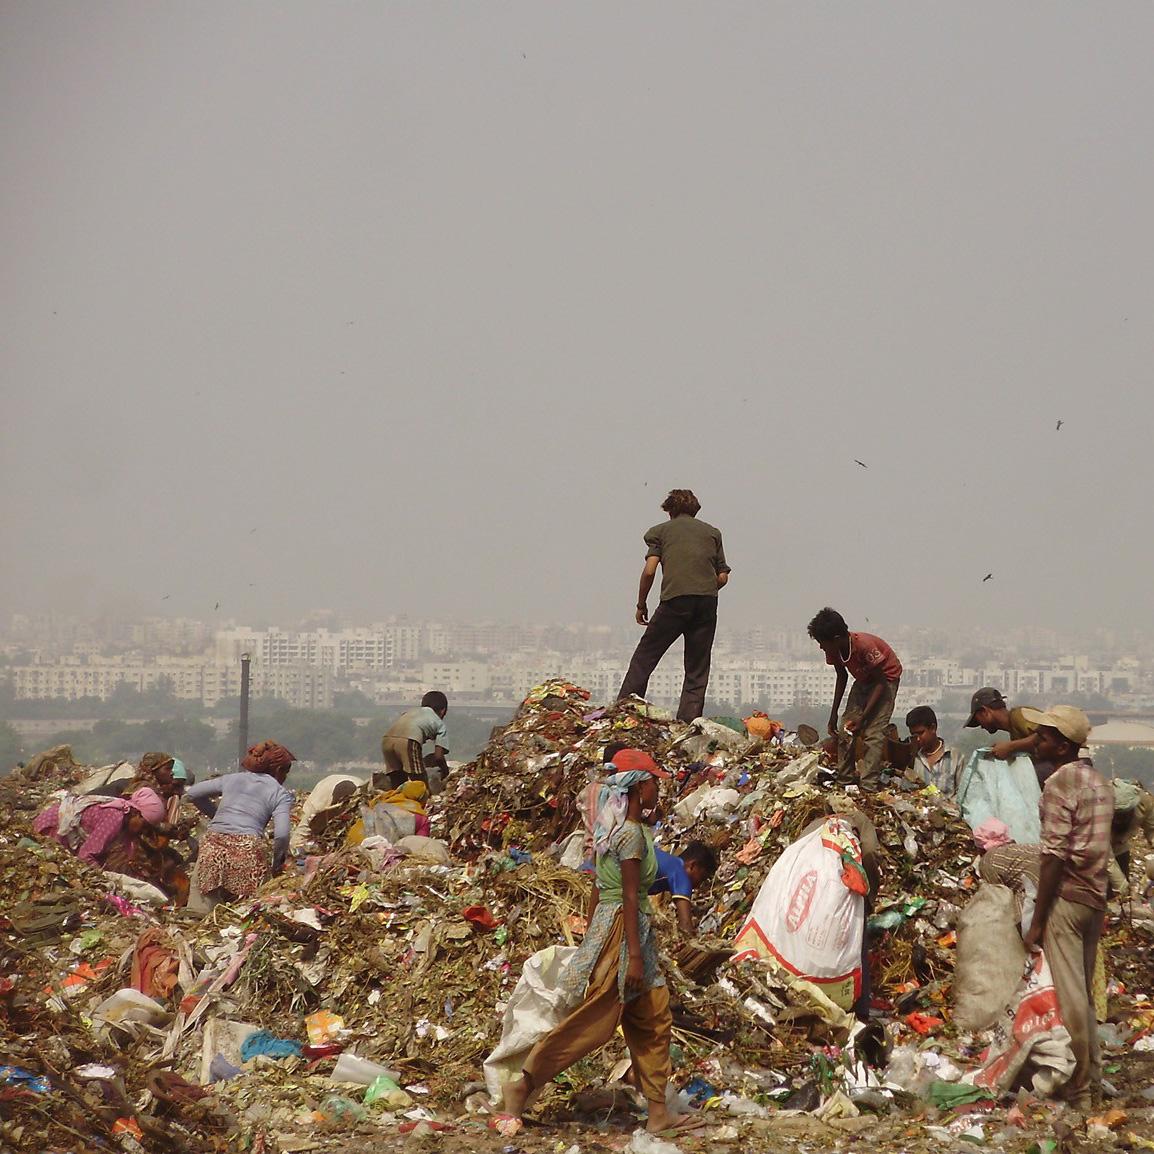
point(876, 672)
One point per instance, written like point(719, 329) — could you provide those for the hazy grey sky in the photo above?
point(441, 299)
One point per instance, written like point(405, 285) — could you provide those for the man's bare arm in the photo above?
point(838, 694)
point(684, 916)
point(647, 575)
point(867, 710)
point(1004, 750)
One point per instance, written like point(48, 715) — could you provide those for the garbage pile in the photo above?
point(360, 992)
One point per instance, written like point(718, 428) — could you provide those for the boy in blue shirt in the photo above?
point(680, 875)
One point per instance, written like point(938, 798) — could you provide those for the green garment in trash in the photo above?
point(950, 1095)
point(734, 723)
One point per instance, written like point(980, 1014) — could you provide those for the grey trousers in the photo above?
point(867, 770)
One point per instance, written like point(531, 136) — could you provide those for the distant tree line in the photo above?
point(323, 737)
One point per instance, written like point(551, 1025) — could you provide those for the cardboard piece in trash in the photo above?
point(225, 1037)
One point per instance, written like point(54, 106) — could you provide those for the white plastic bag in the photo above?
point(136, 890)
point(807, 919)
point(536, 1005)
point(388, 821)
point(129, 1005)
point(427, 848)
point(1007, 790)
point(642, 1142)
point(571, 852)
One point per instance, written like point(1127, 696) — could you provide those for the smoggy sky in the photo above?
point(422, 308)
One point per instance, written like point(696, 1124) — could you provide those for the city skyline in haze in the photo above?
point(423, 309)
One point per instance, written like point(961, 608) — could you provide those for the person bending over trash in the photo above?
point(154, 771)
point(988, 709)
point(181, 780)
point(933, 759)
point(616, 968)
point(402, 745)
point(321, 804)
point(693, 572)
point(1133, 818)
point(96, 828)
point(234, 858)
point(876, 671)
point(679, 875)
point(1076, 808)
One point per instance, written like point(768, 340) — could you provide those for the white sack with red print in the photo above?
point(1031, 1043)
point(806, 917)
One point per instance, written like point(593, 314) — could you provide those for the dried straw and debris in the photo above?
point(417, 959)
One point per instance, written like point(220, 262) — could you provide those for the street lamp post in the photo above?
point(242, 745)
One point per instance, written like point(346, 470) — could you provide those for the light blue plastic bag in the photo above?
point(1007, 790)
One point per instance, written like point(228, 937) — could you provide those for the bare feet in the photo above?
point(514, 1095)
point(659, 1118)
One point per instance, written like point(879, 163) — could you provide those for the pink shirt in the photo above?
point(870, 658)
point(101, 825)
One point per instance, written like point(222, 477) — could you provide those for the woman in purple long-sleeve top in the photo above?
point(234, 860)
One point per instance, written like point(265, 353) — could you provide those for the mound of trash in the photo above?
point(361, 991)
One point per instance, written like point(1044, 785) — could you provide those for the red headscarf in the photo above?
point(268, 757)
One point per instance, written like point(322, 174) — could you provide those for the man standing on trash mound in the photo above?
point(1076, 809)
point(693, 570)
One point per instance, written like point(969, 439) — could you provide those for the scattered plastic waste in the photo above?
point(266, 1044)
point(24, 1080)
point(642, 1142)
point(416, 957)
point(351, 1068)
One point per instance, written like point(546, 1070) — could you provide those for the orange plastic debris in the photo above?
point(923, 1023)
point(1111, 1119)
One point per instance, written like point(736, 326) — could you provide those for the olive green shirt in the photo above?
point(691, 556)
point(1022, 723)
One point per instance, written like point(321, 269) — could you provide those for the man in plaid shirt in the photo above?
point(1076, 810)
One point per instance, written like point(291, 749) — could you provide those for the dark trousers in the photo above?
point(691, 617)
point(861, 1008)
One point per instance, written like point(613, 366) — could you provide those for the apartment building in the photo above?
point(372, 647)
point(204, 682)
point(457, 677)
point(1048, 683)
